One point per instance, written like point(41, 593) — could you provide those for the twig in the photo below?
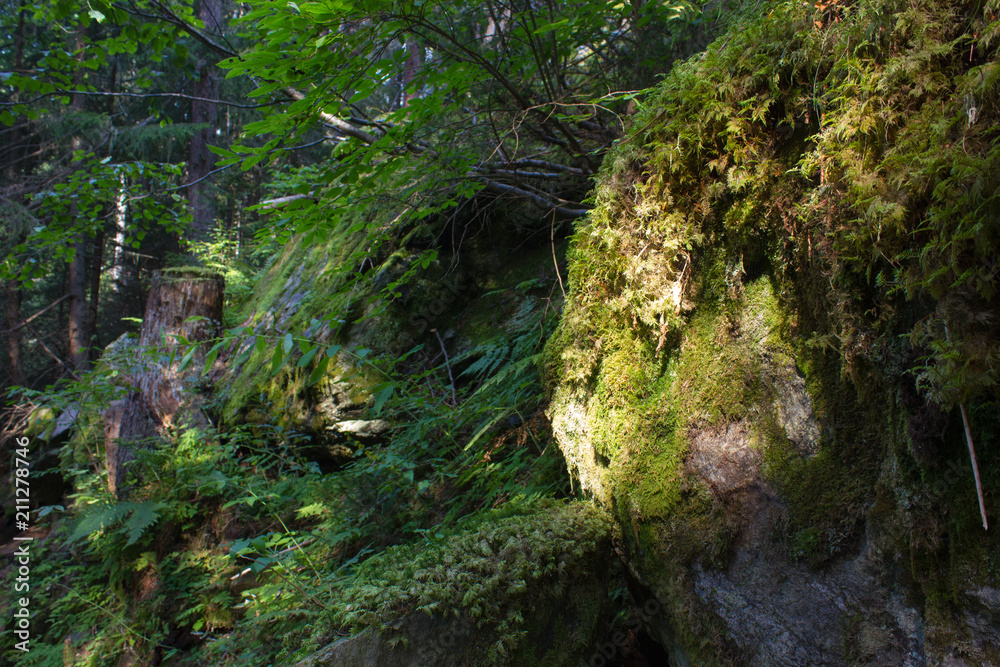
point(52, 354)
point(38, 314)
point(552, 238)
point(447, 364)
point(975, 465)
point(91, 93)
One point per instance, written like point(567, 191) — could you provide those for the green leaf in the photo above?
point(307, 357)
point(382, 396)
point(144, 515)
point(319, 371)
point(211, 357)
point(186, 359)
point(277, 360)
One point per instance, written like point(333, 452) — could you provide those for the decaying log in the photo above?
point(128, 427)
point(183, 304)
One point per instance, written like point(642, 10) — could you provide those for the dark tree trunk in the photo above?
point(128, 427)
point(201, 161)
point(78, 332)
point(79, 336)
point(166, 396)
point(12, 290)
point(414, 60)
point(96, 265)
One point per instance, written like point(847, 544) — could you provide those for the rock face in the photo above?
point(734, 388)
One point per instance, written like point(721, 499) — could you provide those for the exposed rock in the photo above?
point(988, 596)
point(340, 401)
point(779, 611)
point(370, 430)
point(724, 458)
point(794, 407)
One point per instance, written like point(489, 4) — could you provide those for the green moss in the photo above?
point(309, 290)
point(497, 567)
point(737, 242)
point(189, 273)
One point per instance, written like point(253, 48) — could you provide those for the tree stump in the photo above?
point(183, 304)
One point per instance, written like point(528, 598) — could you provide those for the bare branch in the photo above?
point(36, 315)
point(139, 95)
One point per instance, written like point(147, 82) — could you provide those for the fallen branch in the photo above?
point(975, 465)
point(38, 314)
point(454, 399)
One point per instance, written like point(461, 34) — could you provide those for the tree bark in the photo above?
point(414, 60)
point(78, 334)
point(128, 427)
point(79, 338)
point(166, 395)
point(201, 161)
point(96, 265)
point(174, 298)
point(12, 290)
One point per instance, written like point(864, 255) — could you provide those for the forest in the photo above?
point(500, 332)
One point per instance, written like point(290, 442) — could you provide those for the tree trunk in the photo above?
point(78, 334)
point(167, 395)
point(96, 266)
point(128, 427)
point(118, 217)
point(174, 298)
point(12, 290)
point(414, 60)
point(201, 161)
point(79, 338)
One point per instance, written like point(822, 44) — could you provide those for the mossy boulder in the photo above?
point(524, 585)
point(731, 376)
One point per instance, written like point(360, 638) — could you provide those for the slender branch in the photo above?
point(338, 124)
point(168, 15)
point(539, 200)
point(36, 315)
point(545, 164)
point(139, 95)
point(555, 262)
point(187, 185)
point(975, 466)
point(528, 174)
point(454, 399)
point(281, 201)
point(52, 354)
point(472, 57)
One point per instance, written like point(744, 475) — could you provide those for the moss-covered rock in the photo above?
point(524, 585)
point(729, 376)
